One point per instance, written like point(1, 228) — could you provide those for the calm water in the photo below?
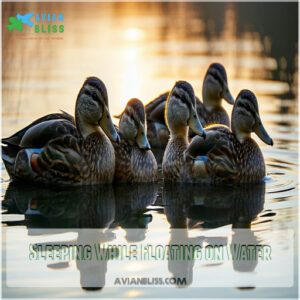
point(140, 50)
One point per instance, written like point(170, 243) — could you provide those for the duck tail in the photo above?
point(21, 168)
point(9, 153)
point(14, 139)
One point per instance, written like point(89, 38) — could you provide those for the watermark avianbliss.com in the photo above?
point(128, 281)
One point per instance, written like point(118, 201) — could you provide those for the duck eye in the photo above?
point(94, 96)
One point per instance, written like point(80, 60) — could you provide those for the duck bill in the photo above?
point(141, 139)
point(261, 132)
point(196, 126)
point(108, 127)
point(228, 97)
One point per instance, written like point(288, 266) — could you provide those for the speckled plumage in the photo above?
point(175, 168)
point(68, 160)
point(217, 115)
point(133, 163)
point(180, 110)
point(231, 156)
point(56, 150)
point(158, 133)
point(235, 161)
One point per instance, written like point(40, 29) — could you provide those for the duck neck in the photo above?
point(239, 134)
point(125, 134)
point(211, 101)
point(242, 136)
point(180, 133)
point(84, 128)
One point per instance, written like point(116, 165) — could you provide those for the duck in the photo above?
point(135, 161)
point(210, 111)
point(60, 150)
point(231, 156)
point(180, 115)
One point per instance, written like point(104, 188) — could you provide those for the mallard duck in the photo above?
point(232, 156)
point(135, 161)
point(57, 150)
point(180, 113)
point(215, 88)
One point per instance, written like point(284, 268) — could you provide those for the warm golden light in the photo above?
point(131, 73)
point(131, 53)
point(133, 34)
point(129, 240)
point(133, 293)
point(131, 83)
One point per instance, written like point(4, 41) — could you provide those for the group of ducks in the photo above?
point(58, 149)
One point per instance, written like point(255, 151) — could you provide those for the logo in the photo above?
point(40, 23)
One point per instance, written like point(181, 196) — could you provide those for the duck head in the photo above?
point(215, 87)
point(92, 110)
point(245, 118)
point(180, 110)
point(132, 124)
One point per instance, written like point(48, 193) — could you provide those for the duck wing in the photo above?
point(36, 135)
point(215, 156)
point(223, 160)
point(222, 163)
point(215, 138)
point(61, 160)
point(40, 134)
point(155, 109)
point(16, 138)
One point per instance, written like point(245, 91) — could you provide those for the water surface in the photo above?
point(140, 50)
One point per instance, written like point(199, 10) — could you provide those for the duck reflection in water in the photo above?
point(84, 208)
point(177, 200)
point(238, 206)
point(131, 207)
point(191, 206)
point(87, 210)
point(76, 207)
